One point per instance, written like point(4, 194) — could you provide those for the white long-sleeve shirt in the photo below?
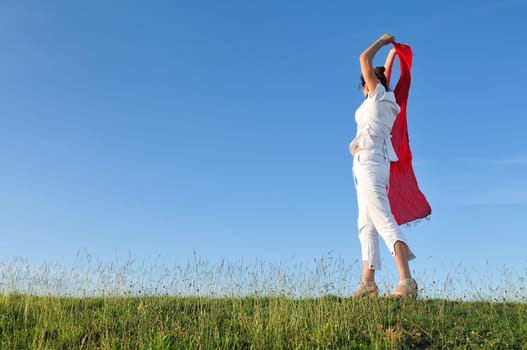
point(375, 118)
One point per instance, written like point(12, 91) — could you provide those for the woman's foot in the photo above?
point(405, 288)
point(366, 289)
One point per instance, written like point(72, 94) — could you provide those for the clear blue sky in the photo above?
point(221, 127)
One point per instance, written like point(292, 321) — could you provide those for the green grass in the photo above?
point(260, 305)
point(165, 322)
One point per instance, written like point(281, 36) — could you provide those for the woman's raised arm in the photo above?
point(389, 64)
point(366, 59)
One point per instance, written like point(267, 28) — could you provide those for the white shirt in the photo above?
point(375, 117)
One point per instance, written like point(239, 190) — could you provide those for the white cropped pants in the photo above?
point(371, 172)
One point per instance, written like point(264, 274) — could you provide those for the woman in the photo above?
point(372, 152)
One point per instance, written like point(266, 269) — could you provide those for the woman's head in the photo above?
point(379, 73)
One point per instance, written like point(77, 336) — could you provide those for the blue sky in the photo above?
point(221, 127)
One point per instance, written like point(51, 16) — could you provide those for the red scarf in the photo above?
point(406, 200)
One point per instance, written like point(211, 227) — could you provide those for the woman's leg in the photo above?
point(371, 181)
point(383, 222)
point(368, 274)
point(401, 260)
point(367, 286)
point(369, 242)
point(368, 236)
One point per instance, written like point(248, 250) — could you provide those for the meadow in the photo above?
point(240, 305)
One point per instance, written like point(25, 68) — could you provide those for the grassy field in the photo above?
point(163, 322)
point(256, 305)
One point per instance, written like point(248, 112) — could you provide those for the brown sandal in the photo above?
point(366, 289)
point(409, 289)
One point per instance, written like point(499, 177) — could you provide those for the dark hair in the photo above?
point(379, 73)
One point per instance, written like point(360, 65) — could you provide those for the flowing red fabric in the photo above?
point(407, 201)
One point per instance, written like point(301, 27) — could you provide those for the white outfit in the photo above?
point(371, 172)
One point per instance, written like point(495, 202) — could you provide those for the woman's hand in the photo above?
point(387, 38)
